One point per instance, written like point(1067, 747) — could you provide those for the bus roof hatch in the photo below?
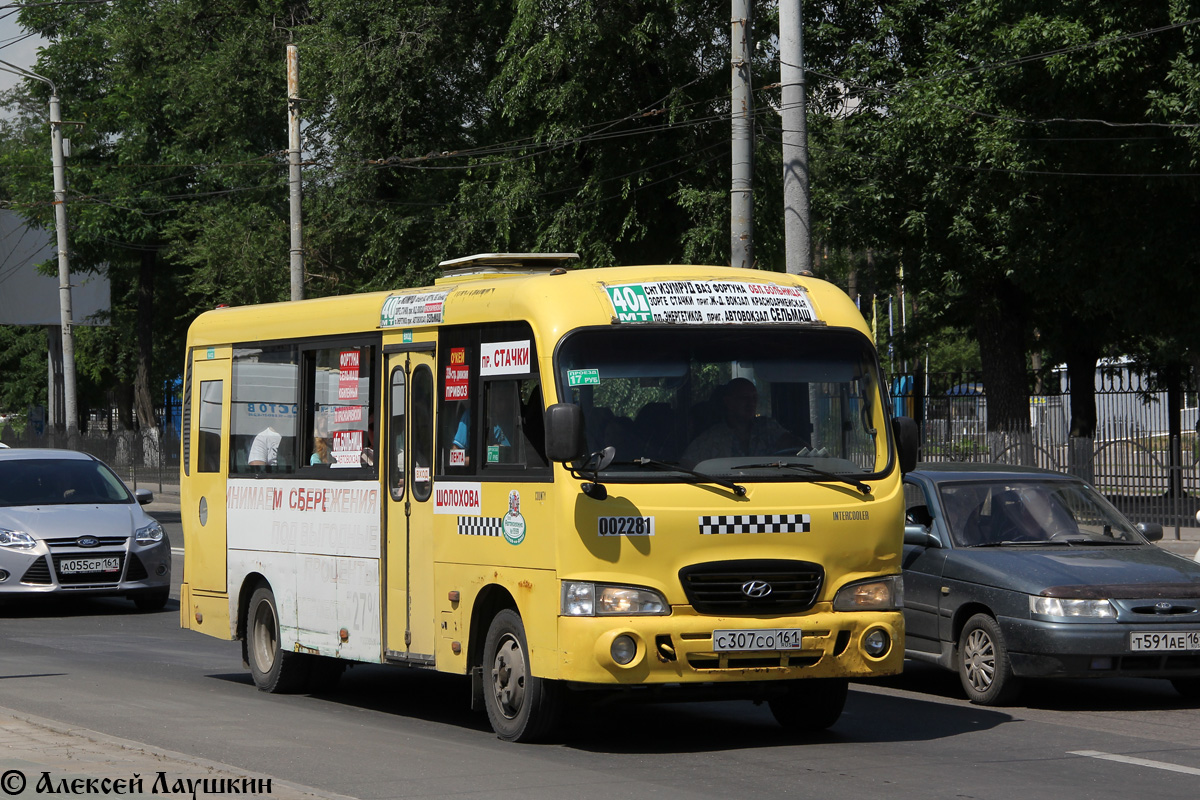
point(506, 262)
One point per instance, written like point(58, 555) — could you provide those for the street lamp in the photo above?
point(70, 411)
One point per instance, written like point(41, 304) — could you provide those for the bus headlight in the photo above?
point(877, 594)
point(586, 599)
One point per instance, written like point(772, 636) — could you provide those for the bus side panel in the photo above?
point(317, 544)
point(337, 598)
point(534, 592)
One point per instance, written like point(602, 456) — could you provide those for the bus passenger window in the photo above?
point(422, 433)
point(208, 443)
point(396, 429)
point(264, 397)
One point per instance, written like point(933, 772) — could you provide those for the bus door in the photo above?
point(410, 609)
point(202, 500)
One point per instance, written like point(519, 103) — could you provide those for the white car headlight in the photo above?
point(19, 540)
point(877, 594)
point(1067, 608)
point(586, 599)
point(149, 534)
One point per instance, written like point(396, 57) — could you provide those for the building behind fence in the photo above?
point(1143, 455)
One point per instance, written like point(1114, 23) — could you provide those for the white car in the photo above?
point(68, 525)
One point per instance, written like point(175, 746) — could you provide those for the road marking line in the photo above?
point(1141, 762)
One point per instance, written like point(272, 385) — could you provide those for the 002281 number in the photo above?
point(625, 526)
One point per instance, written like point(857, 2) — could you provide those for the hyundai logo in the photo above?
point(87, 541)
point(756, 589)
point(1163, 608)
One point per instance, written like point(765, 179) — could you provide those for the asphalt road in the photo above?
point(391, 732)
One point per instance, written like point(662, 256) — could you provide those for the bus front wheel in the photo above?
point(521, 707)
point(274, 670)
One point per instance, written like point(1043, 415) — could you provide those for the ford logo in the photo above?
point(1163, 608)
point(87, 541)
point(756, 589)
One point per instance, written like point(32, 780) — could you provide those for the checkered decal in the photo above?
point(756, 523)
point(480, 526)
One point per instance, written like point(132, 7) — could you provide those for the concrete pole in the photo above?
point(796, 225)
point(297, 250)
point(741, 196)
point(70, 409)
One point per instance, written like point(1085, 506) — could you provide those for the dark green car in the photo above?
point(1012, 573)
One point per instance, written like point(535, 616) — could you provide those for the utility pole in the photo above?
point(741, 195)
point(297, 251)
point(796, 225)
point(70, 408)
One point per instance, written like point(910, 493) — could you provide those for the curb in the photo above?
point(124, 755)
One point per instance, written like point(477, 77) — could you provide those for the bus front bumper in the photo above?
point(680, 647)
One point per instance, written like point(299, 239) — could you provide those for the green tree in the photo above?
point(1021, 161)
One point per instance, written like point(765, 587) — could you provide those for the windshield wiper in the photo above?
point(737, 489)
point(1013, 543)
point(811, 470)
point(1100, 542)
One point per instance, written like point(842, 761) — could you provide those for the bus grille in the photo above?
point(720, 587)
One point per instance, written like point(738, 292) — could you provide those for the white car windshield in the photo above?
point(754, 403)
point(38, 482)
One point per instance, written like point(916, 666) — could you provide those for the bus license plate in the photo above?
point(1165, 641)
point(767, 639)
point(74, 566)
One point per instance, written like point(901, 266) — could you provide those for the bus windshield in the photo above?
point(756, 403)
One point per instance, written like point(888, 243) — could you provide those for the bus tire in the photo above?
point(273, 669)
point(520, 707)
point(811, 705)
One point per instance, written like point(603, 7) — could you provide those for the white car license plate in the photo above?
point(74, 566)
point(1164, 641)
point(767, 639)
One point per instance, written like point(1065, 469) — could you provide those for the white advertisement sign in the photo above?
point(710, 302)
point(406, 310)
point(504, 358)
point(457, 497)
point(338, 518)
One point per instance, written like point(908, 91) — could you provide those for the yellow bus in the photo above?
point(555, 481)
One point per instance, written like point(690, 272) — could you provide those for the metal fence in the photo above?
point(147, 458)
point(1144, 455)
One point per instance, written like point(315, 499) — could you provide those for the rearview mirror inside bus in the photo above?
point(564, 432)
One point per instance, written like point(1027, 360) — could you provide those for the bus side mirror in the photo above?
point(904, 430)
point(565, 439)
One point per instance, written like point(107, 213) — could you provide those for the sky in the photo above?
point(14, 49)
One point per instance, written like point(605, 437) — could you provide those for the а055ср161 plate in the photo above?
point(70, 566)
point(768, 639)
point(1165, 641)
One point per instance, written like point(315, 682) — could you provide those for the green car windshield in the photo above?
point(754, 403)
point(983, 513)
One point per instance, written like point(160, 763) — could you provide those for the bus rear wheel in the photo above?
point(273, 669)
point(520, 707)
point(810, 705)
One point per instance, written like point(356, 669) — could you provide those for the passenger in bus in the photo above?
point(741, 432)
point(264, 450)
point(322, 442)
